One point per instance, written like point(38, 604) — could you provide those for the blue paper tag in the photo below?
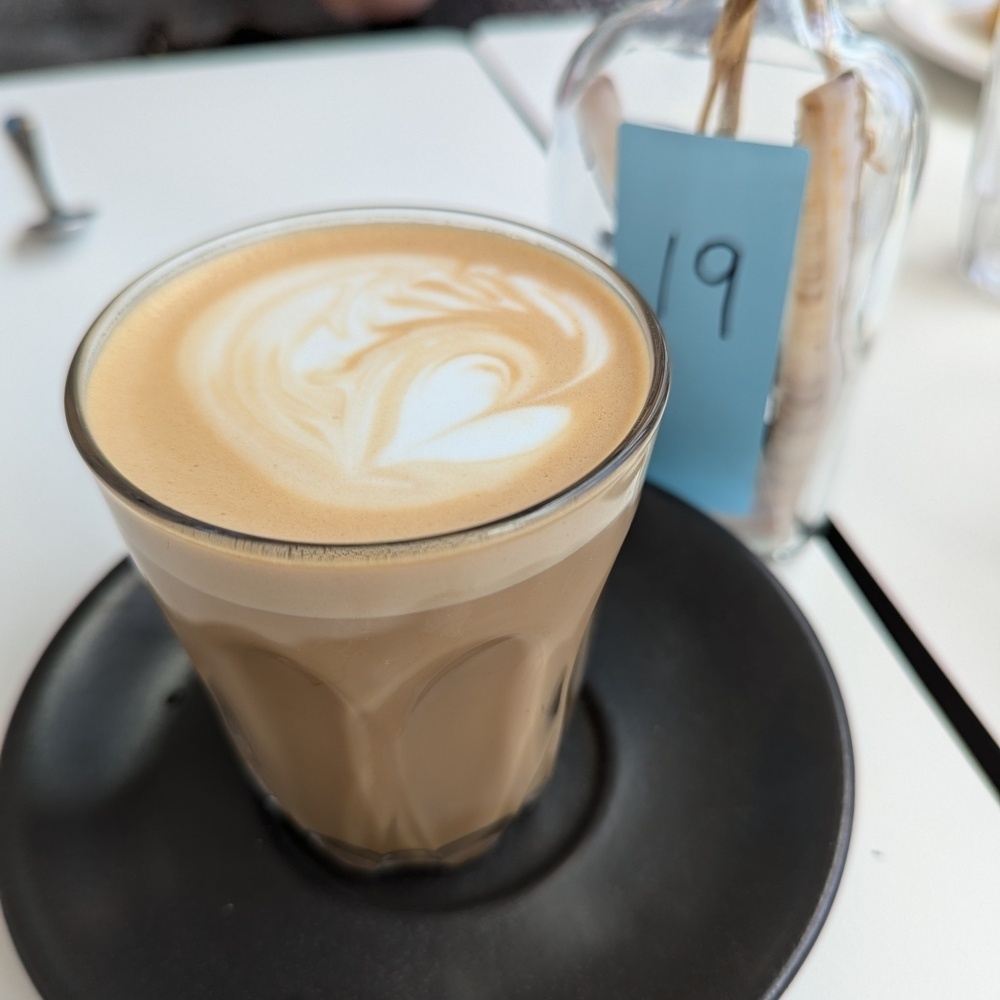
point(706, 232)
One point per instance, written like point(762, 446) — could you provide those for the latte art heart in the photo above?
point(368, 383)
point(385, 379)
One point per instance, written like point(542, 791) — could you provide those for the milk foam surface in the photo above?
point(369, 383)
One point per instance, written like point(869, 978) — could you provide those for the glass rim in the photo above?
point(107, 320)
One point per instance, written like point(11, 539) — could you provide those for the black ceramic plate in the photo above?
point(689, 845)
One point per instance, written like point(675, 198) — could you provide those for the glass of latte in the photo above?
point(375, 467)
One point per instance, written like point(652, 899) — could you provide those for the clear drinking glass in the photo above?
point(399, 701)
point(979, 243)
point(651, 65)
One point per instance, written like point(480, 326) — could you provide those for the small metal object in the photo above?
point(59, 221)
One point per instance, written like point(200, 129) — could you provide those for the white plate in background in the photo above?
point(951, 33)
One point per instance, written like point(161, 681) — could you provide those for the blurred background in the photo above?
point(40, 33)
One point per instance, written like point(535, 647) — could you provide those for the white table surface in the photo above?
point(917, 491)
point(173, 150)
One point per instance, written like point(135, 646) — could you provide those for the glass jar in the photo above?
point(651, 65)
point(979, 240)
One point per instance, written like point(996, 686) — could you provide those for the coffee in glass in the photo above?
point(375, 467)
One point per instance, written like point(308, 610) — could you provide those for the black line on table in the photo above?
point(965, 722)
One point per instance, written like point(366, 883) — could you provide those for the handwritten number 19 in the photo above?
point(716, 263)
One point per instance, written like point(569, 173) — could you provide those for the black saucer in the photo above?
point(689, 845)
